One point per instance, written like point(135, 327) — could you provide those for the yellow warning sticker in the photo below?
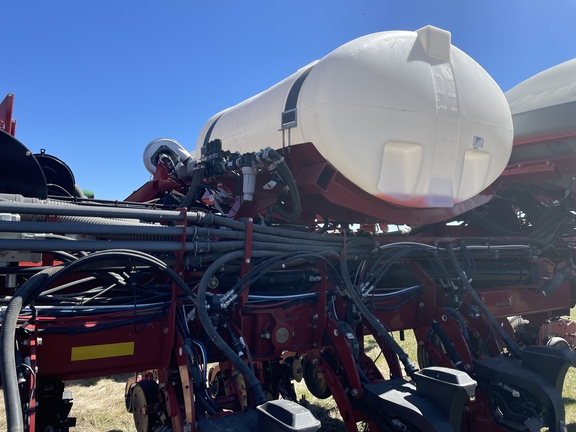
point(92, 352)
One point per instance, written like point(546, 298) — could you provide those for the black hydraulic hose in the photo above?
point(197, 179)
point(118, 256)
point(30, 290)
point(261, 269)
point(207, 407)
point(93, 245)
point(204, 233)
point(287, 176)
point(378, 274)
point(409, 366)
point(253, 383)
point(288, 240)
point(14, 415)
point(292, 247)
point(64, 256)
point(299, 234)
point(416, 293)
point(212, 219)
point(258, 272)
point(547, 224)
point(452, 353)
point(14, 419)
point(23, 205)
point(144, 232)
point(151, 246)
point(512, 346)
point(455, 314)
point(487, 223)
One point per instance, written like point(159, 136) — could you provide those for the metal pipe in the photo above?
point(87, 229)
point(41, 208)
point(95, 245)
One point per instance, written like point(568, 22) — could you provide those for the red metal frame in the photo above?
point(544, 139)
point(325, 192)
point(61, 362)
point(274, 332)
point(7, 123)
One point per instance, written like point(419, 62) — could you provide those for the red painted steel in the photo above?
point(7, 123)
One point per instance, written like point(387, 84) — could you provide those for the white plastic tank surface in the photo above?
point(545, 103)
point(405, 116)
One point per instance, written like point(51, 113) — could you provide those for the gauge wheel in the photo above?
point(144, 394)
point(315, 381)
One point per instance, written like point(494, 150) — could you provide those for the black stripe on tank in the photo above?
point(289, 114)
point(210, 129)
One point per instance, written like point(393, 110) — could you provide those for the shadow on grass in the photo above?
point(326, 412)
point(571, 428)
point(568, 401)
point(88, 382)
point(329, 424)
point(370, 344)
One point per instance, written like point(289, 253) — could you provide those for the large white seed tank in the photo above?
point(405, 116)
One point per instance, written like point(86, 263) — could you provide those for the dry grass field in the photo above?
point(99, 403)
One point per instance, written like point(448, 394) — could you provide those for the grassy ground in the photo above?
point(99, 403)
point(569, 397)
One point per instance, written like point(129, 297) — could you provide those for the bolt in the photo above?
point(314, 345)
point(444, 318)
point(354, 392)
point(180, 351)
point(335, 332)
point(248, 261)
point(165, 331)
point(421, 305)
point(315, 361)
point(421, 343)
point(467, 366)
point(315, 316)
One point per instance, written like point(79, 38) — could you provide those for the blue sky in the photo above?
point(95, 81)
